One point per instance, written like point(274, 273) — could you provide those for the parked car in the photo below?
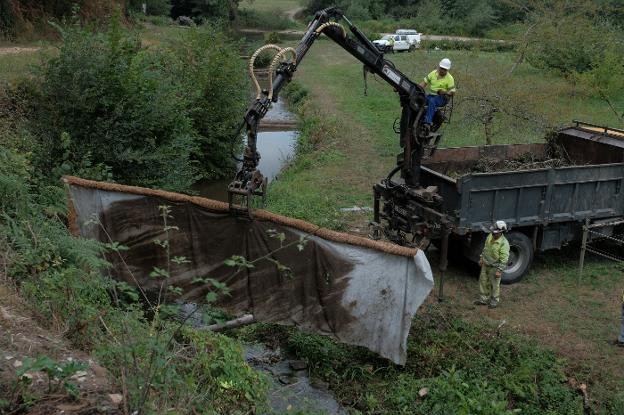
point(385, 44)
point(413, 37)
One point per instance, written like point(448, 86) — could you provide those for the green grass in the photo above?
point(15, 65)
point(269, 15)
point(270, 5)
point(546, 97)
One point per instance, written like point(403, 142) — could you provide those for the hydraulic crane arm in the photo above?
point(249, 180)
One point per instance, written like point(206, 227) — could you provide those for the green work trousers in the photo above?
point(489, 285)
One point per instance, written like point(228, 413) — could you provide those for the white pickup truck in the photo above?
point(404, 39)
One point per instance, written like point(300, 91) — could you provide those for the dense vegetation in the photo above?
point(27, 18)
point(107, 108)
point(470, 17)
point(453, 368)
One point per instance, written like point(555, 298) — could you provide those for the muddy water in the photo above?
point(276, 150)
point(290, 387)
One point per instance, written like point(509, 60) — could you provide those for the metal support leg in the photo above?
point(621, 336)
point(443, 261)
point(583, 248)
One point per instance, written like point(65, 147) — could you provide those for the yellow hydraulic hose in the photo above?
point(274, 63)
point(280, 53)
point(331, 24)
point(252, 61)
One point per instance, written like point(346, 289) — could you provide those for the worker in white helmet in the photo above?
point(441, 86)
point(493, 262)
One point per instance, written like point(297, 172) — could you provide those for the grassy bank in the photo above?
point(269, 15)
point(270, 5)
point(355, 147)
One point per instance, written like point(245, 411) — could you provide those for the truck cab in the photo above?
point(393, 43)
point(413, 37)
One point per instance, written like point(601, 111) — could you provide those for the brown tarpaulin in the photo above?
point(353, 289)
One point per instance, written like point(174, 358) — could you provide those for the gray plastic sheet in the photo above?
point(354, 294)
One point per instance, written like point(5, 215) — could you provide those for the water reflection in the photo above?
point(276, 149)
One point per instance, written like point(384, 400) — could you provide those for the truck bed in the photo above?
point(590, 187)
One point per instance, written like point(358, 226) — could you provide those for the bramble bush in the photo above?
point(214, 81)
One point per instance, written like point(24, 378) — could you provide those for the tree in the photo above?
point(499, 105)
point(205, 9)
point(568, 36)
point(605, 79)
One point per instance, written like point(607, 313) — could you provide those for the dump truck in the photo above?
point(545, 208)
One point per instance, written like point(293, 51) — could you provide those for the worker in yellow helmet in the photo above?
point(493, 262)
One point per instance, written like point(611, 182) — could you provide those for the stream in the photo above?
point(291, 389)
point(276, 150)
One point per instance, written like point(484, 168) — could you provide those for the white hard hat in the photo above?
point(499, 226)
point(445, 63)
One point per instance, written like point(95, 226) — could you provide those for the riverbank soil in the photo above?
point(85, 391)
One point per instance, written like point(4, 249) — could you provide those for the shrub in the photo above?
point(272, 37)
point(119, 106)
point(570, 36)
point(269, 20)
point(160, 365)
point(158, 7)
point(213, 81)
point(106, 108)
point(201, 10)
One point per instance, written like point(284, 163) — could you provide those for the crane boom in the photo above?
point(413, 140)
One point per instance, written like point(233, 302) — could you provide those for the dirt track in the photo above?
point(11, 50)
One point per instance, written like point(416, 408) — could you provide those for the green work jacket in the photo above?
point(436, 83)
point(496, 252)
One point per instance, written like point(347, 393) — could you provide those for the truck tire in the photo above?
point(520, 257)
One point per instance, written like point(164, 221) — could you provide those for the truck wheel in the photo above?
point(520, 257)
